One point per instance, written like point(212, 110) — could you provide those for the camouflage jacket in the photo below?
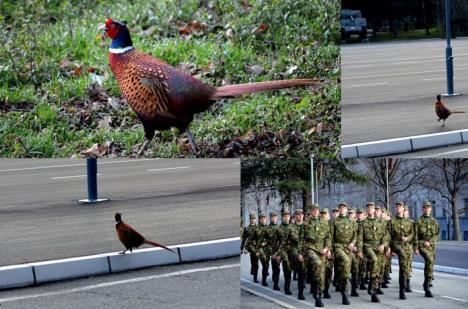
point(247, 238)
point(343, 232)
point(426, 229)
point(261, 238)
point(273, 238)
point(284, 237)
point(316, 235)
point(371, 233)
point(297, 239)
point(400, 227)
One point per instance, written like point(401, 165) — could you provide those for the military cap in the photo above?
point(370, 204)
point(342, 204)
point(335, 210)
point(427, 204)
point(377, 207)
point(285, 212)
point(324, 211)
point(359, 211)
point(252, 216)
point(298, 211)
point(262, 214)
point(400, 203)
point(350, 210)
point(272, 214)
point(314, 206)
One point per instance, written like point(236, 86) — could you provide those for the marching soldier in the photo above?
point(316, 245)
point(372, 242)
point(336, 276)
point(283, 253)
point(325, 216)
point(426, 233)
point(297, 246)
point(273, 242)
point(362, 260)
point(401, 233)
point(344, 237)
point(261, 237)
point(248, 244)
point(410, 252)
point(379, 215)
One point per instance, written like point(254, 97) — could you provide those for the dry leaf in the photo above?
point(261, 29)
point(255, 69)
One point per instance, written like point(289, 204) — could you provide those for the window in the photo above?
point(465, 213)
point(465, 235)
point(444, 235)
point(434, 213)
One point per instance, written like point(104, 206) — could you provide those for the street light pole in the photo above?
point(448, 52)
point(312, 186)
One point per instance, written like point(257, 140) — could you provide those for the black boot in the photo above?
point(287, 286)
point(264, 283)
point(344, 292)
point(276, 286)
point(294, 276)
point(427, 291)
point(301, 286)
point(326, 294)
point(354, 293)
point(402, 287)
point(318, 300)
point(374, 297)
point(384, 285)
point(362, 285)
point(313, 288)
point(255, 278)
point(369, 287)
point(408, 286)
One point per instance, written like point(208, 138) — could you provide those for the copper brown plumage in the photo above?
point(130, 238)
point(442, 111)
point(164, 97)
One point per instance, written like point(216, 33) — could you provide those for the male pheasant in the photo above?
point(130, 238)
point(442, 111)
point(162, 96)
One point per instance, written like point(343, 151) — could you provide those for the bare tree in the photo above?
point(447, 178)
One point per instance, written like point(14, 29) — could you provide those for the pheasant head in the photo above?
point(120, 35)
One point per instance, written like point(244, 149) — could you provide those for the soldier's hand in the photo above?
point(329, 254)
point(277, 258)
point(324, 251)
point(381, 248)
point(404, 239)
point(351, 247)
point(416, 252)
point(360, 254)
point(300, 258)
point(257, 254)
point(264, 244)
point(427, 244)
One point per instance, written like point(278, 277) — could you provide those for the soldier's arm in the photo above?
point(415, 238)
point(411, 234)
point(244, 238)
point(435, 237)
point(355, 238)
point(360, 237)
point(328, 241)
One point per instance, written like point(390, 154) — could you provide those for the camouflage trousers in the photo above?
point(275, 266)
point(362, 265)
point(403, 257)
point(265, 260)
point(328, 273)
point(287, 268)
point(428, 255)
point(343, 263)
point(375, 260)
point(300, 268)
point(316, 268)
point(354, 264)
point(253, 264)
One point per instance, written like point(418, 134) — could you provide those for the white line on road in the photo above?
point(401, 74)
point(108, 284)
point(406, 62)
point(365, 85)
point(276, 301)
point(442, 154)
point(167, 168)
point(454, 298)
point(75, 176)
point(71, 165)
point(435, 78)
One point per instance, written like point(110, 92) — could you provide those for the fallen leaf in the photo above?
point(254, 69)
point(261, 29)
point(291, 70)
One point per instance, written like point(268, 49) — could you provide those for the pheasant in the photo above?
point(164, 97)
point(442, 111)
point(130, 238)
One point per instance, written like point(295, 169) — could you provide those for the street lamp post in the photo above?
point(448, 52)
point(312, 178)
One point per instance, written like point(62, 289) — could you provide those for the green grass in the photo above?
point(47, 110)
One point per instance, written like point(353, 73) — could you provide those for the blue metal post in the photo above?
point(448, 50)
point(91, 169)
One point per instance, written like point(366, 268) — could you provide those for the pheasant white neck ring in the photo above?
point(120, 50)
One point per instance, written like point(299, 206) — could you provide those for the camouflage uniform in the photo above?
point(297, 248)
point(328, 264)
point(273, 243)
point(361, 261)
point(285, 252)
point(261, 239)
point(372, 235)
point(317, 238)
point(401, 227)
point(427, 229)
point(343, 233)
point(354, 262)
point(249, 244)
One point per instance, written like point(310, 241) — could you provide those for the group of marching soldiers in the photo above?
point(358, 246)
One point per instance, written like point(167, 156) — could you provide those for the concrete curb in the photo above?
point(439, 268)
point(404, 144)
point(14, 276)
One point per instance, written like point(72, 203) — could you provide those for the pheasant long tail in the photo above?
point(237, 90)
point(153, 243)
point(457, 112)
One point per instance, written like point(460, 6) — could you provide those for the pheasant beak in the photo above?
point(102, 27)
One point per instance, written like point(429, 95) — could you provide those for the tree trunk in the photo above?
point(456, 222)
point(306, 199)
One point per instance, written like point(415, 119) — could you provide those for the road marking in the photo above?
point(108, 284)
point(405, 62)
point(454, 298)
point(365, 85)
point(274, 300)
point(441, 154)
point(75, 176)
point(401, 74)
point(167, 168)
point(278, 293)
point(71, 165)
point(359, 66)
point(436, 78)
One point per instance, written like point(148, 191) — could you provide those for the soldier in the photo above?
point(344, 237)
point(362, 260)
point(351, 214)
point(283, 252)
point(426, 234)
point(410, 252)
point(297, 248)
point(273, 242)
point(248, 245)
point(387, 259)
point(261, 237)
point(372, 242)
point(401, 234)
point(335, 214)
point(316, 245)
point(354, 260)
point(325, 216)
point(380, 216)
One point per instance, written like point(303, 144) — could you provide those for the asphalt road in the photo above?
point(213, 284)
point(449, 292)
point(169, 201)
point(389, 89)
point(450, 253)
point(454, 151)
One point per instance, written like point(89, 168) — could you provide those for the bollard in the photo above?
point(91, 172)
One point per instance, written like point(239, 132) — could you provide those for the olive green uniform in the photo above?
point(297, 248)
point(285, 252)
point(427, 229)
point(261, 240)
point(249, 244)
point(273, 244)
